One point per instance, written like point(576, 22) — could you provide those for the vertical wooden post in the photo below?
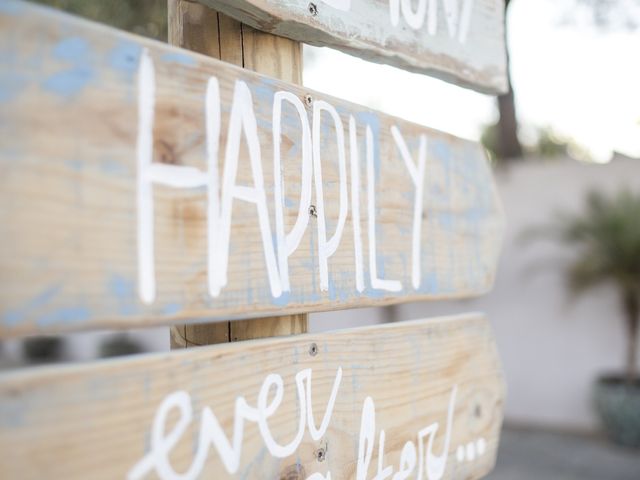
point(196, 27)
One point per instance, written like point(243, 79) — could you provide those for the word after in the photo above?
point(412, 400)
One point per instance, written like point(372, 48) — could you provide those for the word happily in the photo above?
point(222, 189)
point(417, 458)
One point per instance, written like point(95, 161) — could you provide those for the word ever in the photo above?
point(458, 17)
point(222, 189)
point(428, 464)
point(211, 432)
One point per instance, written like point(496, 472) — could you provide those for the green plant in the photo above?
point(43, 349)
point(144, 17)
point(606, 238)
point(118, 345)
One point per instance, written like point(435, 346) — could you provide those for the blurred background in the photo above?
point(565, 145)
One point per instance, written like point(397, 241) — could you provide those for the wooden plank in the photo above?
point(196, 27)
point(99, 228)
point(434, 387)
point(201, 29)
point(461, 41)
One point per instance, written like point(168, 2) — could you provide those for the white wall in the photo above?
point(551, 347)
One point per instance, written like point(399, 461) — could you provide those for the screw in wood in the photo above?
point(321, 454)
point(313, 211)
point(308, 99)
point(313, 350)
point(313, 9)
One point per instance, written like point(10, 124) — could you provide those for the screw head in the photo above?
point(313, 9)
point(313, 211)
point(313, 350)
point(321, 454)
point(308, 100)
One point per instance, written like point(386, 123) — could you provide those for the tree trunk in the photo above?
point(508, 147)
point(632, 311)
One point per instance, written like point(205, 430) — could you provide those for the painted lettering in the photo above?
point(326, 248)
point(223, 189)
point(288, 243)
point(457, 17)
point(416, 171)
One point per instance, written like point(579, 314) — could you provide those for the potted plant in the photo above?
point(606, 239)
point(43, 349)
point(119, 345)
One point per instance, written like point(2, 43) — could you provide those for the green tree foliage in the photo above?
point(144, 17)
point(547, 145)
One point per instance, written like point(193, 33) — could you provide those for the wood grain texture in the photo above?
point(68, 216)
point(194, 27)
point(95, 420)
point(198, 28)
point(365, 29)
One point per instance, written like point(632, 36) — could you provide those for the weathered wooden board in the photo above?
point(461, 41)
point(428, 395)
point(141, 184)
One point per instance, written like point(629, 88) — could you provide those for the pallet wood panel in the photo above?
point(460, 41)
point(143, 184)
point(419, 400)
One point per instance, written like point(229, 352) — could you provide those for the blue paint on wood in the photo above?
point(114, 168)
point(11, 84)
point(75, 164)
point(372, 120)
point(445, 219)
point(332, 289)
point(12, 412)
point(125, 58)
point(10, 7)
point(429, 283)
point(66, 315)
point(345, 293)
point(21, 314)
point(371, 292)
point(172, 309)
point(72, 80)
point(122, 289)
point(283, 300)
point(187, 60)
point(72, 49)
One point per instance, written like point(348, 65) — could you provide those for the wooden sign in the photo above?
point(420, 400)
point(143, 184)
point(461, 41)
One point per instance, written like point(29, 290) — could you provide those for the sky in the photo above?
point(580, 81)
